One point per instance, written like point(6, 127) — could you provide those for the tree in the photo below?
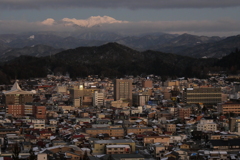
point(32, 155)
point(85, 156)
point(16, 150)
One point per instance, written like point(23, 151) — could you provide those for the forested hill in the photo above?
point(112, 60)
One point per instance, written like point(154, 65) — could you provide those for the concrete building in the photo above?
point(171, 127)
point(98, 98)
point(15, 110)
point(206, 125)
point(138, 130)
point(233, 124)
point(118, 149)
point(123, 89)
point(206, 95)
point(184, 112)
point(229, 107)
point(40, 112)
point(112, 132)
point(100, 145)
point(147, 83)
point(140, 99)
point(16, 96)
point(165, 140)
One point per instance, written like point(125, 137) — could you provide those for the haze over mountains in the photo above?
point(14, 45)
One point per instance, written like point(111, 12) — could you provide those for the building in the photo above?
point(112, 132)
point(206, 95)
point(118, 149)
point(40, 112)
point(147, 83)
point(98, 98)
point(165, 140)
point(229, 107)
point(15, 110)
point(100, 145)
point(140, 99)
point(16, 96)
point(123, 89)
point(206, 125)
point(233, 124)
point(184, 112)
point(138, 130)
point(171, 127)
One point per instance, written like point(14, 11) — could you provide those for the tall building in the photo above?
point(202, 95)
point(16, 96)
point(123, 89)
point(82, 96)
point(233, 124)
point(98, 99)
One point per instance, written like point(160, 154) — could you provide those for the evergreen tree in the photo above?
point(32, 155)
point(85, 156)
point(16, 150)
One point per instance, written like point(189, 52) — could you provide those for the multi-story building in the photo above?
point(184, 112)
point(165, 140)
point(171, 127)
point(147, 83)
point(123, 89)
point(233, 124)
point(98, 98)
point(140, 99)
point(206, 95)
point(112, 132)
point(138, 130)
point(28, 109)
point(100, 145)
point(206, 125)
point(118, 149)
point(229, 107)
point(40, 112)
point(16, 96)
point(15, 110)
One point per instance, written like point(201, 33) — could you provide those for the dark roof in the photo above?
point(230, 142)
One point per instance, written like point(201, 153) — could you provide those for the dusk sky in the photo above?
point(199, 17)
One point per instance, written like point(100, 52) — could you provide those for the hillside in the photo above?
point(111, 60)
point(35, 51)
point(215, 49)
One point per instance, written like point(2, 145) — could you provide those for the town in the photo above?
point(120, 119)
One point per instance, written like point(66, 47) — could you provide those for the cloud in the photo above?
point(48, 21)
point(92, 21)
point(222, 27)
point(130, 4)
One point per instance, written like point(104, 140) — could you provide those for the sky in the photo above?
point(129, 17)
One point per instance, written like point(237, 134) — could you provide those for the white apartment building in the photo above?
point(206, 125)
point(98, 99)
